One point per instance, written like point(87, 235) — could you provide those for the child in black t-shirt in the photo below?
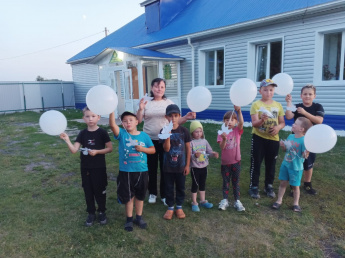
point(315, 113)
point(96, 143)
point(176, 163)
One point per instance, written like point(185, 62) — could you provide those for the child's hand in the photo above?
point(223, 135)
point(64, 136)
point(216, 155)
point(197, 154)
point(191, 115)
point(264, 117)
point(237, 108)
point(186, 170)
point(93, 152)
point(301, 111)
point(281, 143)
point(273, 130)
point(139, 148)
point(305, 154)
point(288, 98)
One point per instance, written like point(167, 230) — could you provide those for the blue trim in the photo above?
point(337, 122)
point(80, 105)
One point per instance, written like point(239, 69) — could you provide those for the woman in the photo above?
point(153, 112)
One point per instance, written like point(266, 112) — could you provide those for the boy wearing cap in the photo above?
point(267, 119)
point(132, 180)
point(176, 163)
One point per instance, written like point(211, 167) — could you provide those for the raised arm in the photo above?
point(140, 112)
point(72, 147)
point(113, 125)
point(188, 116)
point(240, 117)
point(288, 114)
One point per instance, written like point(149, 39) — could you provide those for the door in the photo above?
point(128, 86)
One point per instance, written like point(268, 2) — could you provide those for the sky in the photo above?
point(37, 37)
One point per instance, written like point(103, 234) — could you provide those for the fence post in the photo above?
point(42, 104)
point(24, 96)
point(63, 98)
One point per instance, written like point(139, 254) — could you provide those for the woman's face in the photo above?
point(158, 89)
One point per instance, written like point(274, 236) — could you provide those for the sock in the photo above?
point(171, 208)
point(129, 219)
point(178, 207)
point(138, 218)
point(307, 184)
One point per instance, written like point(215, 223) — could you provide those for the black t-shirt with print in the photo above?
point(315, 109)
point(175, 159)
point(95, 140)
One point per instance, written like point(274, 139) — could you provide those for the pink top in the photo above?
point(231, 153)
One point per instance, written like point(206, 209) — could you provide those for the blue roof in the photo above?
point(198, 16)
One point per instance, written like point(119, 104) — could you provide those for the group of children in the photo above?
point(189, 151)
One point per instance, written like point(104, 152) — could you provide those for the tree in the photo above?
point(39, 78)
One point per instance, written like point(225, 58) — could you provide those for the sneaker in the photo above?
point(168, 214)
point(254, 193)
point(269, 191)
point(238, 205)
point(164, 201)
point(206, 205)
point(90, 219)
point(102, 218)
point(309, 189)
point(223, 204)
point(152, 198)
point(180, 214)
point(140, 223)
point(195, 208)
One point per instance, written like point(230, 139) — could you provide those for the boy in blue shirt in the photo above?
point(176, 163)
point(291, 169)
point(132, 180)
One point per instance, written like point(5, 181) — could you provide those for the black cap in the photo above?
point(127, 113)
point(172, 109)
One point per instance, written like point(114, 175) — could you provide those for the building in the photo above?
point(214, 43)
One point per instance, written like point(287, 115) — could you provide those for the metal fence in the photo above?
point(22, 96)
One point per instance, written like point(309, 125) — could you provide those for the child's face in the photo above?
point(231, 123)
point(130, 123)
point(174, 118)
point(308, 96)
point(197, 134)
point(267, 92)
point(297, 127)
point(90, 118)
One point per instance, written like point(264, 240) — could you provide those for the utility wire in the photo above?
point(38, 51)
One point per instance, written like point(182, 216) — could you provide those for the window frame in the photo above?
point(318, 61)
point(202, 65)
point(252, 64)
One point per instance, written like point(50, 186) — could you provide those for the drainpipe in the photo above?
point(193, 72)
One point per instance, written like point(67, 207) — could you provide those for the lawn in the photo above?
point(42, 207)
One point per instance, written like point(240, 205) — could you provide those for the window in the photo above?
point(268, 60)
point(333, 63)
point(212, 63)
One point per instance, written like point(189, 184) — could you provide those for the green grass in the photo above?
point(43, 209)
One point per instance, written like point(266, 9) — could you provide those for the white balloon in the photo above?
point(242, 92)
point(101, 100)
point(53, 122)
point(284, 83)
point(199, 98)
point(320, 138)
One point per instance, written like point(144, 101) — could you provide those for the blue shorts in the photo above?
point(293, 176)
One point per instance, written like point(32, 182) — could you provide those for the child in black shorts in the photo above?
point(133, 176)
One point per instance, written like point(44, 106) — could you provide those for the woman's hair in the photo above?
point(305, 123)
point(158, 81)
point(229, 114)
point(309, 86)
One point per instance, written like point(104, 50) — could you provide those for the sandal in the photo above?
point(296, 208)
point(276, 206)
point(141, 223)
point(129, 226)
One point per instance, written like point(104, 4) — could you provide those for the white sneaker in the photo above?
point(163, 200)
point(238, 206)
point(223, 204)
point(152, 198)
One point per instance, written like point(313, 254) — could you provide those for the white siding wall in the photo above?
point(85, 76)
point(298, 60)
